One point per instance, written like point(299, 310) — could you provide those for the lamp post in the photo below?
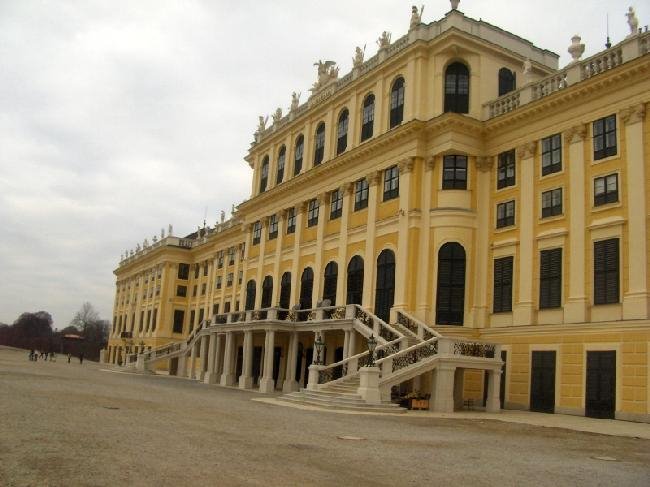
point(372, 345)
point(318, 345)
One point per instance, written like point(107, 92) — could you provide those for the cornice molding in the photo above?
point(633, 114)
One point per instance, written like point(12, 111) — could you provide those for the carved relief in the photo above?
point(633, 114)
point(484, 163)
point(576, 133)
point(527, 150)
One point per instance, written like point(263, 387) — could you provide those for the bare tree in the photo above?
point(85, 316)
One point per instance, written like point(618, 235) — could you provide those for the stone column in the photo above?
point(193, 360)
point(267, 384)
point(290, 384)
point(352, 343)
point(346, 343)
point(442, 389)
point(370, 263)
point(424, 248)
point(218, 356)
point(228, 375)
point(246, 377)
point(341, 284)
point(494, 386)
point(318, 257)
point(402, 259)
point(203, 359)
point(575, 307)
point(210, 376)
point(483, 176)
point(277, 278)
point(635, 300)
point(524, 213)
point(242, 290)
point(295, 269)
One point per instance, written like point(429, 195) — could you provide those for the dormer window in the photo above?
point(397, 102)
point(342, 132)
point(319, 144)
point(457, 88)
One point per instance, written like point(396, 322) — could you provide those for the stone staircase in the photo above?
point(340, 396)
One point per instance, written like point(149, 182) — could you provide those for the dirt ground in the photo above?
point(75, 425)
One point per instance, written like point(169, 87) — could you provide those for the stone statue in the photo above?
point(222, 217)
point(632, 21)
point(131, 253)
point(261, 127)
point(454, 4)
point(359, 54)
point(121, 257)
point(154, 239)
point(295, 101)
point(170, 230)
point(277, 116)
point(416, 17)
point(232, 210)
point(162, 233)
point(576, 49)
point(384, 40)
point(137, 248)
point(145, 244)
point(326, 72)
point(528, 67)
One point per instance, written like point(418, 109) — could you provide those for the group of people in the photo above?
point(34, 355)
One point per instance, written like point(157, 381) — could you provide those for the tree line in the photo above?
point(86, 333)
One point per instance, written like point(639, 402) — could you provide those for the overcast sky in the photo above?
point(119, 117)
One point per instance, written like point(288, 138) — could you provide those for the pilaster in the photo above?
point(260, 262)
point(341, 284)
point(483, 172)
point(275, 296)
point(371, 224)
point(295, 263)
point(402, 261)
point(318, 257)
point(422, 291)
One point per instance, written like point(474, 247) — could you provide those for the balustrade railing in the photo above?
point(376, 325)
point(419, 328)
point(474, 349)
point(601, 62)
point(409, 356)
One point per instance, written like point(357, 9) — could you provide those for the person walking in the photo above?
point(69, 357)
point(81, 358)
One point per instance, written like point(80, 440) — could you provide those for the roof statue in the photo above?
point(154, 239)
point(261, 125)
point(454, 4)
point(145, 244)
point(327, 72)
point(576, 49)
point(384, 40)
point(162, 233)
point(222, 216)
point(137, 247)
point(416, 17)
point(277, 116)
point(632, 21)
point(528, 67)
point(359, 54)
point(295, 101)
point(170, 230)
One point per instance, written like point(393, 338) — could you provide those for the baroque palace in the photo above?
point(457, 220)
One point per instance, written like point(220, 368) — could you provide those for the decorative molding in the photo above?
point(406, 166)
point(430, 163)
point(633, 114)
point(484, 163)
point(373, 178)
point(577, 133)
point(527, 150)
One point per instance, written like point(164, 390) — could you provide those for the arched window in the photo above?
point(306, 288)
point(319, 144)
point(457, 88)
point(507, 81)
point(285, 290)
point(397, 102)
point(267, 292)
point(297, 155)
point(450, 300)
point(264, 174)
point(331, 277)
point(385, 289)
point(368, 117)
point(355, 280)
point(250, 295)
point(281, 158)
point(342, 132)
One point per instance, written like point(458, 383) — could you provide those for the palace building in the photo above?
point(472, 212)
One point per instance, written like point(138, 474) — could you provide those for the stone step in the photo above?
point(333, 405)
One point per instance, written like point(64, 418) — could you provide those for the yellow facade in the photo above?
point(547, 313)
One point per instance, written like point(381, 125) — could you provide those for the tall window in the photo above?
point(291, 220)
point(336, 204)
point(397, 102)
point(368, 117)
point(267, 292)
point(454, 172)
point(385, 284)
point(218, 282)
point(450, 300)
point(551, 154)
point(391, 183)
point(264, 174)
point(505, 214)
point(282, 155)
point(250, 295)
point(312, 212)
point(306, 288)
point(606, 189)
point(550, 278)
point(181, 291)
point(506, 169)
point(606, 271)
point(360, 194)
point(257, 232)
point(552, 202)
point(273, 227)
point(604, 137)
point(502, 296)
point(297, 155)
point(507, 81)
point(342, 132)
point(285, 290)
point(457, 88)
point(183, 271)
point(329, 285)
point(179, 317)
point(355, 280)
point(319, 144)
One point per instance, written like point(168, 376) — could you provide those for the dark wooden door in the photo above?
point(542, 382)
point(600, 397)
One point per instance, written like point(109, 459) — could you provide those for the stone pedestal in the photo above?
point(211, 378)
point(312, 381)
point(369, 385)
point(245, 382)
point(267, 386)
point(290, 385)
point(103, 356)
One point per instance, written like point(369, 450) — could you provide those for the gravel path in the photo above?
point(76, 425)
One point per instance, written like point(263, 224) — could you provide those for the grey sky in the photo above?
point(117, 118)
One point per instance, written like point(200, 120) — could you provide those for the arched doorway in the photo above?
point(267, 292)
point(450, 300)
point(250, 295)
point(331, 278)
point(355, 280)
point(385, 289)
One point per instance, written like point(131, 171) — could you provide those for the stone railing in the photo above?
point(407, 357)
point(417, 327)
point(625, 51)
point(376, 325)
